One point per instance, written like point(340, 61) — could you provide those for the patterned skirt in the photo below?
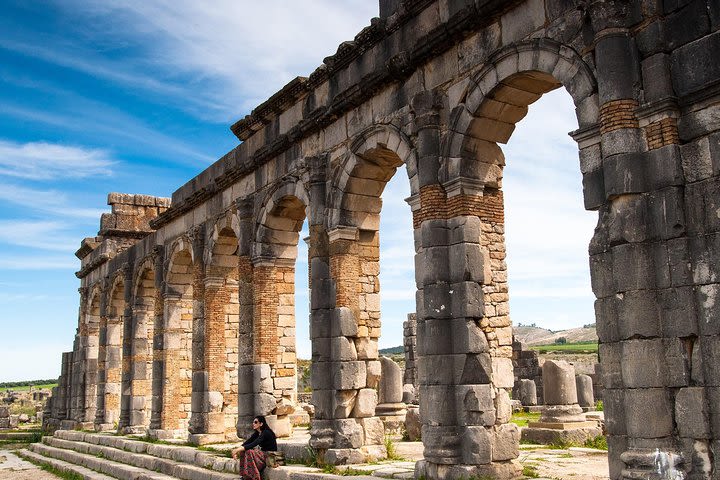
point(252, 463)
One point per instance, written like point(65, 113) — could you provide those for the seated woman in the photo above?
point(252, 459)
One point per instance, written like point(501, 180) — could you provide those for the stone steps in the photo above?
point(64, 467)
point(126, 459)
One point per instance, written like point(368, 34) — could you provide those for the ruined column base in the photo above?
point(497, 470)
point(651, 465)
point(68, 424)
point(205, 438)
point(392, 415)
point(561, 433)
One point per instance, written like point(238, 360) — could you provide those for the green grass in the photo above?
point(521, 419)
point(580, 347)
point(599, 442)
point(530, 471)
point(391, 452)
point(25, 388)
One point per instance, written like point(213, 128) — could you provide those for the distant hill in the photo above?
point(392, 350)
point(531, 336)
point(541, 336)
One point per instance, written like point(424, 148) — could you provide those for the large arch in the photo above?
point(221, 333)
point(173, 400)
point(110, 356)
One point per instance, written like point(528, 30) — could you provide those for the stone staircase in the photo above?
point(97, 456)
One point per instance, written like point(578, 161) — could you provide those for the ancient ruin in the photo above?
point(186, 324)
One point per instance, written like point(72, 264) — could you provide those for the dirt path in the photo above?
point(571, 464)
point(13, 467)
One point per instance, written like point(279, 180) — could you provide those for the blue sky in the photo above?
point(137, 97)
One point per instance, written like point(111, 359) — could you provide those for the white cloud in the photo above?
point(47, 161)
point(49, 201)
point(38, 262)
point(41, 235)
point(216, 60)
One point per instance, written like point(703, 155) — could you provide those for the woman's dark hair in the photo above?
point(263, 423)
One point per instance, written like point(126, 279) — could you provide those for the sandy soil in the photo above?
point(13, 467)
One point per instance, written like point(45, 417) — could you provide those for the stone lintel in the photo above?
point(655, 111)
point(463, 186)
point(342, 232)
point(214, 281)
point(261, 261)
point(586, 137)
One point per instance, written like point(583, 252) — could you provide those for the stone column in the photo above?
point(127, 336)
point(199, 418)
point(63, 400)
point(410, 348)
point(140, 366)
point(527, 392)
point(100, 424)
point(390, 408)
point(586, 399)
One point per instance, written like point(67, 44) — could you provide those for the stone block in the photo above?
point(467, 300)
point(593, 183)
point(518, 23)
point(657, 84)
point(607, 321)
point(438, 405)
point(710, 351)
point(477, 445)
point(321, 323)
point(434, 265)
point(322, 433)
point(434, 337)
point(691, 413)
point(502, 376)
point(601, 274)
point(348, 375)
point(617, 68)
point(344, 403)
point(373, 430)
point(367, 348)
point(466, 263)
point(342, 348)
point(633, 267)
point(610, 355)
point(321, 375)
point(322, 294)
point(367, 399)
point(436, 301)
point(693, 66)
point(475, 405)
point(527, 392)
point(467, 337)
point(321, 349)
point(434, 233)
point(343, 456)
point(506, 442)
point(708, 307)
point(348, 433)
point(614, 408)
point(624, 173)
point(639, 423)
point(373, 372)
point(666, 210)
point(643, 363)
point(503, 406)
point(323, 401)
point(637, 314)
point(343, 323)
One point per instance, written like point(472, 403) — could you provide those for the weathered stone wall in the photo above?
point(526, 365)
point(436, 85)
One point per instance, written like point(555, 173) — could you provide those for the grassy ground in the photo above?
point(581, 347)
point(27, 387)
point(521, 419)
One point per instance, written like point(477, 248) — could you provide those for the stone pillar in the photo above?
point(410, 348)
point(253, 388)
point(140, 369)
point(561, 420)
point(586, 399)
point(64, 390)
point(200, 387)
point(390, 408)
point(527, 393)
point(344, 328)
point(464, 334)
point(100, 424)
point(127, 352)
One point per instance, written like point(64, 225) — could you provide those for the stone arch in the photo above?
point(373, 157)
point(85, 367)
point(110, 358)
point(176, 357)
point(280, 220)
point(145, 308)
point(498, 97)
point(222, 315)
